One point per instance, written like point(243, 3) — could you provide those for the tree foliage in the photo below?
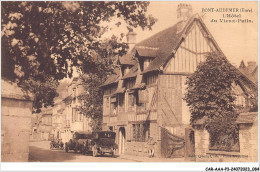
point(210, 96)
point(45, 92)
point(92, 98)
point(48, 38)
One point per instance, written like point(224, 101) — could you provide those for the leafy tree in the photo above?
point(210, 97)
point(45, 91)
point(92, 98)
point(48, 38)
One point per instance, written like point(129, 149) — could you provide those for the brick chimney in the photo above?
point(184, 12)
point(131, 39)
point(251, 66)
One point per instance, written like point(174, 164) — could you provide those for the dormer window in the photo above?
point(129, 83)
point(126, 70)
point(147, 63)
point(145, 56)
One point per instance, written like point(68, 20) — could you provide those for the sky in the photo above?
point(238, 41)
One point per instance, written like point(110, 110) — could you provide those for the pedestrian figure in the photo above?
point(151, 142)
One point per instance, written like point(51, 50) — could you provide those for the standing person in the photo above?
point(151, 142)
point(61, 144)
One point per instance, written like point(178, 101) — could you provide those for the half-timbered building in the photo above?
point(143, 99)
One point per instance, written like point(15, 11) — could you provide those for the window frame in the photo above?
point(141, 132)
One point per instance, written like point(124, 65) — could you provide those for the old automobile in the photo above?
point(56, 144)
point(102, 142)
point(78, 141)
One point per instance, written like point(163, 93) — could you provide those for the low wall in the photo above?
point(248, 140)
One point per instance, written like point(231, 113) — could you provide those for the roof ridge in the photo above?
point(146, 47)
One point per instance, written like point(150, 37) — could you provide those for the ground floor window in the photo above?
point(140, 132)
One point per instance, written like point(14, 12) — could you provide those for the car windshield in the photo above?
point(107, 135)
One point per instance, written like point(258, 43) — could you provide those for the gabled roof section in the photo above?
point(132, 72)
point(162, 47)
point(251, 74)
point(165, 41)
point(147, 51)
point(127, 59)
point(169, 40)
point(113, 78)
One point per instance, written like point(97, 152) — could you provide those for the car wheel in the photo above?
point(112, 154)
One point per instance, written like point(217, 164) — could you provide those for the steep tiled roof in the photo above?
point(132, 72)
point(162, 46)
point(253, 76)
point(165, 41)
point(128, 59)
point(147, 51)
point(112, 78)
point(249, 76)
point(159, 46)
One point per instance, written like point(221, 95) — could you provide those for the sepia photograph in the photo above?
point(129, 81)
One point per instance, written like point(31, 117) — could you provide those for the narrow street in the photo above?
point(40, 152)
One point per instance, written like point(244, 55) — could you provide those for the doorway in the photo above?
point(190, 144)
point(121, 143)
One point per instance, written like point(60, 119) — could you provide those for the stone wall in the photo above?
point(16, 127)
point(248, 139)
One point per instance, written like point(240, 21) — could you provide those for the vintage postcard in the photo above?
point(126, 81)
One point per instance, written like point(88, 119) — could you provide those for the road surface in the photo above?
point(40, 152)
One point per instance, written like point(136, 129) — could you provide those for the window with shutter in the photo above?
point(113, 106)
